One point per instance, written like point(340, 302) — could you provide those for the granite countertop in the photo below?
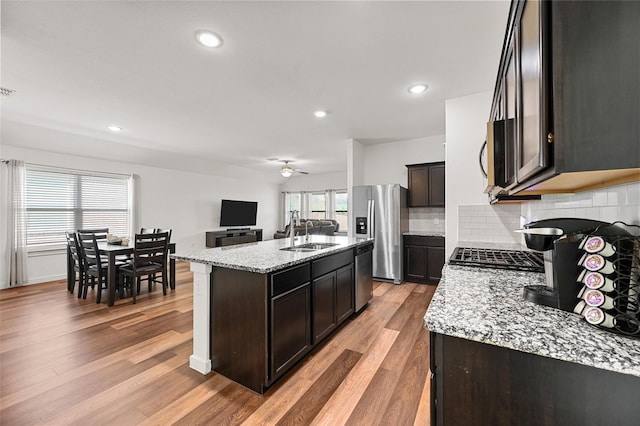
point(265, 256)
point(486, 305)
point(425, 233)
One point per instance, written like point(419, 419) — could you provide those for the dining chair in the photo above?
point(95, 266)
point(148, 230)
point(149, 259)
point(100, 233)
point(78, 267)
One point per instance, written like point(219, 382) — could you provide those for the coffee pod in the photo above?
point(598, 299)
point(596, 263)
point(579, 308)
point(597, 245)
point(597, 316)
point(596, 281)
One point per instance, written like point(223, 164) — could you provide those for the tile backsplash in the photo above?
point(426, 219)
point(620, 202)
point(489, 223)
point(495, 223)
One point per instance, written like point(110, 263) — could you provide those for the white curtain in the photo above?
point(330, 204)
point(14, 230)
point(305, 205)
point(134, 204)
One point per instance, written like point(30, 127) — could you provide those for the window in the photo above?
point(341, 212)
point(318, 204)
point(59, 200)
point(329, 204)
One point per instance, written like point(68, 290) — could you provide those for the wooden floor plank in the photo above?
point(310, 404)
point(405, 400)
point(66, 360)
point(347, 395)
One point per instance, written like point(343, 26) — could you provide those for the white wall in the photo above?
point(188, 203)
point(315, 182)
point(385, 162)
point(466, 119)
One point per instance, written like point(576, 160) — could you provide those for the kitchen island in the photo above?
point(259, 309)
point(498, 359)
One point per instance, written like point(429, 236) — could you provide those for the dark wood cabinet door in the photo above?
point(436, 185)
point(435, 262)
point(415, 263)
point(290, 328)
point(344, 293)
point(324, 308)
point(482, 384)
point(426, 184)
point(418, 186)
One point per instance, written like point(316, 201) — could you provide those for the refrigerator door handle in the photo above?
point(372, 218)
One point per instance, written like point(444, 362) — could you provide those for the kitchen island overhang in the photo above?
point(251, 298)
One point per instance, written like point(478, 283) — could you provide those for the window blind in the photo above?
point(59, 200)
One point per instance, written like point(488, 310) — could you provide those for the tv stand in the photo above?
point(229, 237)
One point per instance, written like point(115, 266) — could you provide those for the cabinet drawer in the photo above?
point(419, 240)
point(331, 263)
point(289, 279)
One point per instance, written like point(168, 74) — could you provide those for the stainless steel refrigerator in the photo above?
point(380, 212)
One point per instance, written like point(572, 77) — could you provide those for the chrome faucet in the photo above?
point(292, 226)
point(306, 231)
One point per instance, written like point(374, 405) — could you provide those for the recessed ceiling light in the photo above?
point(320, 113)
point(418, 88)
point(208, 38)
point(114, 128)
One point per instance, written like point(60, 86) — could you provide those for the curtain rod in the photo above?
point(70, 170)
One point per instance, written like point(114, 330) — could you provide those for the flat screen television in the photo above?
point(238, 213)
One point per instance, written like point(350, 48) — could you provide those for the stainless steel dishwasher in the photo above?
point(364, 275)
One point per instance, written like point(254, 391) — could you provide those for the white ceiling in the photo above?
point(78, 66)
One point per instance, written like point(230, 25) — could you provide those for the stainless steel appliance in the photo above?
point(364, 278)
point(380, 212)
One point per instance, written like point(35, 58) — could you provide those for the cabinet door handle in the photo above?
point(482, 149)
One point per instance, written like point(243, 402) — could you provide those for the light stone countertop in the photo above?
point(425, 233)
point(265, 256)
point(487, 306)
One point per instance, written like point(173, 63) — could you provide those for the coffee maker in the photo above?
point(558, 239)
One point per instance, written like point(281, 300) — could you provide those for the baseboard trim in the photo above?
point(200, 365)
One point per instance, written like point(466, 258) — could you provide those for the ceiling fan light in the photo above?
point(286, 171)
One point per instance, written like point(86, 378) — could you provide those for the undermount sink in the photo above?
point(309, 247)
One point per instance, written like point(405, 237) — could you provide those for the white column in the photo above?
point(200, 360)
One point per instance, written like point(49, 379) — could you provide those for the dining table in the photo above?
point(112, 251)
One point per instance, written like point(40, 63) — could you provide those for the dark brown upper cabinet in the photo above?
point(566, 103)
point(426, 184)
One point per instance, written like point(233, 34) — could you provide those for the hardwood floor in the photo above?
point(70, 361)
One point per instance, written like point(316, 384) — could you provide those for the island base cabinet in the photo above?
point(324, 306)
point(290, 329)
point(345, 295)
point(480, 384)
point(238, 304)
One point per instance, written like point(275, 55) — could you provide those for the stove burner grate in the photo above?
point(516, 260)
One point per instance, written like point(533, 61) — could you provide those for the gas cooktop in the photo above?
point(516, 260)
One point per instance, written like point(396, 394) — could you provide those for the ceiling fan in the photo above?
point(286, 170)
